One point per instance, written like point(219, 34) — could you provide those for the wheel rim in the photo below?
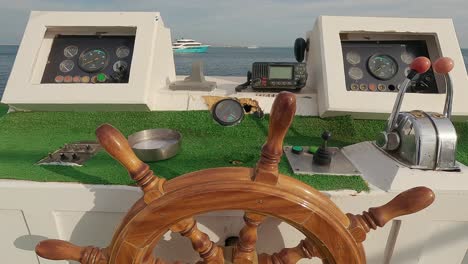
point(242, 194)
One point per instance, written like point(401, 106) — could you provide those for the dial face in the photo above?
point(355, 73)
point(122, 52)
point(382, 67)
point(228, 112)
point(407, 57)
point(66, 66)
point(120, 66)
point(353, 57)
point(93, 60)
point(70, 51)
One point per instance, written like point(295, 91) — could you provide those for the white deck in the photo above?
point(226, 85)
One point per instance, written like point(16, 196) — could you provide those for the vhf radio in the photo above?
point(278, 75)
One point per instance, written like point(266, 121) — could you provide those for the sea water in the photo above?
point(217, 61)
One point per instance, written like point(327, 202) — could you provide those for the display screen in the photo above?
point(280, 72)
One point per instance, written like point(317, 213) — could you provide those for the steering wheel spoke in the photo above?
point(244, 252)
point(305, 249)
point(407, 202)
point(209, 251)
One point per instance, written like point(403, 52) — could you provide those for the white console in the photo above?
point(151, 59)
point(327, 74)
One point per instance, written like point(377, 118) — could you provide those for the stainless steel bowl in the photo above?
point(155, 144)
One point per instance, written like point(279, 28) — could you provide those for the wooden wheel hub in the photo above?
point(261, 192)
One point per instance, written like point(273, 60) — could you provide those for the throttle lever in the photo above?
point(443, 66)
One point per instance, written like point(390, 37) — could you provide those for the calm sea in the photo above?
point(217, 61)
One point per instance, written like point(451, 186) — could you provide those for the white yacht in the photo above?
point(188, 46)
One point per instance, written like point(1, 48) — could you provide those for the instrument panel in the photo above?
point(89, 59)
point(381, 66)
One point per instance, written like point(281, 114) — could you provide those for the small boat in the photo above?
point(252, 47)
point(188, 46)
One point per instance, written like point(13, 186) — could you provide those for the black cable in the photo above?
point(245, 85)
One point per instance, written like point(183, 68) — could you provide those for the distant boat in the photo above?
point(252, 47)
point(188, 46)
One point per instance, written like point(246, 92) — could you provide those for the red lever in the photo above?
point(443, 65)
point(421, 64)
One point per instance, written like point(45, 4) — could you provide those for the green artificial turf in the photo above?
point(3, 109)
point(27, 137)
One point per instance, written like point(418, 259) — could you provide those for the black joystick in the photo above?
point(300, 47)
point(323, 156)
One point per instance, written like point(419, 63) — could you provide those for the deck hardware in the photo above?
point(72, 154)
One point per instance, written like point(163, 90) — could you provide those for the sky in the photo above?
point(239, 22)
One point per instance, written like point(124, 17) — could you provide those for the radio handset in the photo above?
point(300, 47)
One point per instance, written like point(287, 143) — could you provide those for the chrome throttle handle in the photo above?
point(388, 139)
point(444, 65)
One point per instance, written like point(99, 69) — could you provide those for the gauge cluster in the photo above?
point(89, 59)
point(381, 66)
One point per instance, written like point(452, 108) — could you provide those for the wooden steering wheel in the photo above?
point(261, 192)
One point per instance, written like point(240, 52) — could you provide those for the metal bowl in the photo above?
point(155, 144)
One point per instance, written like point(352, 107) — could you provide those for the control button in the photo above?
point(372, 86)
point(363, 87)
point(68, 79)
point(381, 87)
point(101, 77)
point(76, 79)
point(354, 87)
point(94, 79)
point(312, 149)
point(297, 149)
point(85, 79)
point(58, 79)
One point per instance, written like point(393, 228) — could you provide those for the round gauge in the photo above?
point(93, 60)
point(407, 57)
point(120, 66)
point(382, 67)
point(122, 52)
point(353, 57)
point(228, 112)
point(355, 73)
point(70, 51)
point(66, 66)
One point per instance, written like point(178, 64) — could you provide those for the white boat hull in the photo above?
point(88, 215)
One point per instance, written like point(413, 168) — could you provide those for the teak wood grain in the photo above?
point(261, 192)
